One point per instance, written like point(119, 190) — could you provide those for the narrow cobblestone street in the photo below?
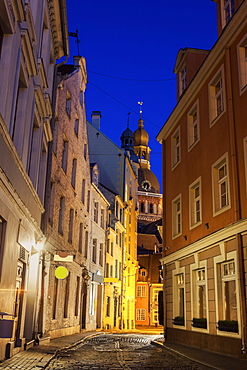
point(126, 351)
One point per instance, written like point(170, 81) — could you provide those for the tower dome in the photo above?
point(140, 135)
point(127, 139)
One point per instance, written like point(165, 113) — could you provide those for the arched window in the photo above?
point(142, 207)
point(151, 208)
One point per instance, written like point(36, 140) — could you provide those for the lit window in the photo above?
point(193, 126)
point(199, 301)
point(179, 312)
point(140, 314)
point(216, 96)
point(195, 203)
point(176, 217)
point(175, 147)
point(227, 297)
point(141, 291)
point(242, 64)
point(221, 185)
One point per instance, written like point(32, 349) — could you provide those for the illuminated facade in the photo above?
point(33, 36)
point(118, 175)
point(204, 163)
point(76, 216)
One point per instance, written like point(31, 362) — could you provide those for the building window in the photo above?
point(94, 251)
point(102, 218)
point(86, 245)
point(71, 225)
point(227, 296)
point(143, 273)
point(76, 126)
point(85, 151)
point(80, 237)
point(3, 224)
point(176, 217)
point(141, 291)
point(112, 245)
point(73, 175)
point(55, 298)
point(179, 299)
point(88, 201)
point(83, 189)
point(68, 106)
point(101, 246)
point(111, 270)
point(182, 80)
point(151, 208)
point(66, 297)
point(77, 295)
point(199, 298)
point(195, 203)
point(216, 96)
point(140, 314)
point(96, 210)
point(108, 306)
point(242, 64)
point(61, 215)
point(65, 155)
point(116, 268)
point(142, 207)
point(193, 125)
point(81, 98)
point(221, 199)
point(107, 273)
point(228, 10)
point(175, 147)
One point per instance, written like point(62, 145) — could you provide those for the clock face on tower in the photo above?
point(146, 185)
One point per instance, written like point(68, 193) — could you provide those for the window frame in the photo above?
point(242, 64)
point(177, 286)
point(141, 314)
point(176, 229)
point(217, 185)
point(175, 148)
point(191, 124)
point(141, 291)
point(227, 14)
point(219, 296)
point(215, 95)
point(193, 199)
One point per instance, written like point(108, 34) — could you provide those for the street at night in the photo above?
point(120, 351)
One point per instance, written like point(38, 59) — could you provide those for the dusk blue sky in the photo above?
point(130, 47)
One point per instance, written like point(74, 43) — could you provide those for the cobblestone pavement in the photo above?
point(120, 351)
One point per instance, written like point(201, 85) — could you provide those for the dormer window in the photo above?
point(183, 79)
point(228, 10)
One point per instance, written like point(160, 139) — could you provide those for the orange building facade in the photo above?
point(205, 192)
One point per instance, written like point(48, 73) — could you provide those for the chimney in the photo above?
point(96, 115)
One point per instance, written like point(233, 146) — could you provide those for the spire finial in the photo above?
point(141, 104)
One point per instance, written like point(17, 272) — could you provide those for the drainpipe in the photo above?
point(236, 197)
